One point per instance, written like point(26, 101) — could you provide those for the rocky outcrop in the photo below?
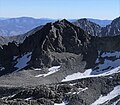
point(108, 43)
point(73, 92)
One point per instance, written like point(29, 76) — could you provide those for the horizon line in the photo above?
point(55, 18)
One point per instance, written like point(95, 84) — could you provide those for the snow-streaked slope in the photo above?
point(109, 54)
point(102, 99)
point(78, 91)
point(78, 75)
point(88, 74)
point(106, 61)
point(50, 71)
point(109, 64)
point(9, 96)
point(22, 62)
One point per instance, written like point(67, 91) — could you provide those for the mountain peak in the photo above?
point(58, 37)
point(63, 23)
point(64, 20)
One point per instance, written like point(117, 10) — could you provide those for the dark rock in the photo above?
point(44, 101)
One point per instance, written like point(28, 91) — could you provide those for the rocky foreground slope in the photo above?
point(60, 64)
point(105, 90)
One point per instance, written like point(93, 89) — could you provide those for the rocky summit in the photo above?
point(60, 64)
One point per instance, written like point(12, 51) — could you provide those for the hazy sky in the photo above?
point(102, 9)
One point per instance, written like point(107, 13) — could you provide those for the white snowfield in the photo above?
point(105, 99)
point(22, 62)
point(51, 71)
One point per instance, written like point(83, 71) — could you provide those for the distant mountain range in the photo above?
point(102, 23)
point(16, 26)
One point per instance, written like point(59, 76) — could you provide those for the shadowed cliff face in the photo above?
point(108, 43)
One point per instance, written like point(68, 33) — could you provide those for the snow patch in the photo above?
point(107, 66)
point(28, 98)
point(37, 69)
point(77, 75)
point(22, 62)
point(102, 99)
point(2, 68)
point(51, 71)
point(78, 91)
point(9, 96)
